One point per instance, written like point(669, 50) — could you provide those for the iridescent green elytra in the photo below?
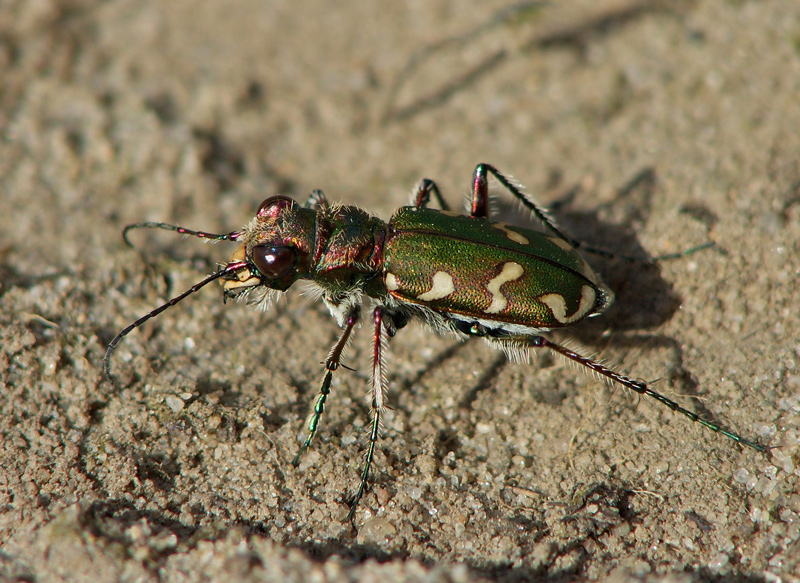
point(462, 275)
point(474, 269)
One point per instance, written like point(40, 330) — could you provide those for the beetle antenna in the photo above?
point(228, 269)
point(232, 236)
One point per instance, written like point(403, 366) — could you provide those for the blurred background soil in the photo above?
point(648, 127)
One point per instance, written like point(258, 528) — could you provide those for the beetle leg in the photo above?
point(480, 198)
point(317, 200)
point(332, 363)
point(641, 388)
point(383, 329)
point(480, 208)
point(422, 195)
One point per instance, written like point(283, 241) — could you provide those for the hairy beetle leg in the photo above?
point(641, 388)
point(332, 363)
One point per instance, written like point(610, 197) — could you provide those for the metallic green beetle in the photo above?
point(463, 275)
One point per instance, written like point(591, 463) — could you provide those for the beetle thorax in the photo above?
point(339, 248)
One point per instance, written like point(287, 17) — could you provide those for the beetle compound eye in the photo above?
point(274, 205)
point(274, 262)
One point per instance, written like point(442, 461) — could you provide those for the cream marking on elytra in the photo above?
point(558, 306)
point(511, 272)
point(512, 235)
point(587, 272)
point(441, 288)
point(390, 281)
point(562, 243)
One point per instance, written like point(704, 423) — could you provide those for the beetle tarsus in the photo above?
point(641, 388)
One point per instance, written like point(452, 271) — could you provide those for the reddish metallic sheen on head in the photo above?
point(274, 205)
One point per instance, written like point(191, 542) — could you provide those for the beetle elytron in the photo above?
point(463, 275)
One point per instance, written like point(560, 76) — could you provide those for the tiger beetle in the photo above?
point(463, 275)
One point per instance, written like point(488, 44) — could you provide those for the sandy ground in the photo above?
point(650, 127)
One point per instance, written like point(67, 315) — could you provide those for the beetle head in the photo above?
point(275, 250)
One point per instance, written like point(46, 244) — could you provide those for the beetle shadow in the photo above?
point(644, 299)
